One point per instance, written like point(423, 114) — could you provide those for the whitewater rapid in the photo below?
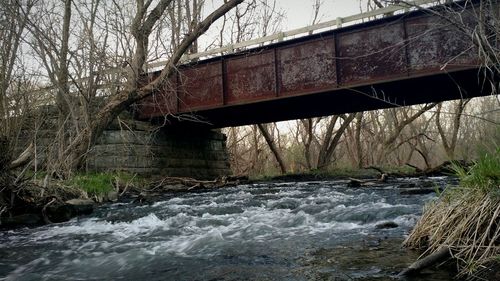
point(260, 231)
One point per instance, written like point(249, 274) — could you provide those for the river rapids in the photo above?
point(270, 231)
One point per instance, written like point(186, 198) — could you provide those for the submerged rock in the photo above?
point(417, 191)
point(21, 220)
point(81, 206)
point(69, 209)
point(112, 196)
point(387, 224)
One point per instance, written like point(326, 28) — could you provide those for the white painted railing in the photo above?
point(278, 37)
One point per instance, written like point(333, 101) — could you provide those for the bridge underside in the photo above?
point(436, 88)
point(397, 61)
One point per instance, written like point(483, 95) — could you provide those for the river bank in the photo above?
point(464, 223)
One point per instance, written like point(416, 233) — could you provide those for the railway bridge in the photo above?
point(405, 59)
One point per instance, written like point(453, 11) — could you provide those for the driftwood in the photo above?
point(23, 158)
point(176, 184)
point(444, 168)
point(190, 184)
point(360, 183)
point(436, 257)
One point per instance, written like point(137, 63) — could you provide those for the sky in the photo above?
point(299, 13)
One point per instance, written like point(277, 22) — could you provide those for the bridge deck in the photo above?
point(401, 60)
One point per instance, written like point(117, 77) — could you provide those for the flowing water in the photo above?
point(280, 231)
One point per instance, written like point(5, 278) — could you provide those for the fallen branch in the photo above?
point(23, 158)
point(438, 256)
point(190, 184)
point(44, 215)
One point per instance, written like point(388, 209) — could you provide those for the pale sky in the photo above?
point(300, 12)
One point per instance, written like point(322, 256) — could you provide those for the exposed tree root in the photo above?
point(428, 261)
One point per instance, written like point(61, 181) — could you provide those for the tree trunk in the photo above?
point(4, 154)
point(272, 145)
point(308, 126)
point(450, 145)
point(357, 139)
point(331, 141)
point(73, 155)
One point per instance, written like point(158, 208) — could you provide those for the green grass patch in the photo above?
point(96, 184)
point(483, 176)
point(93, 183)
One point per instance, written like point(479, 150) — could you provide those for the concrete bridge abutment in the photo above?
point(188, 152)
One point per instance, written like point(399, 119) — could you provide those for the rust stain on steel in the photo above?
point(251, 77)
point(384, 51)
point(375, 53)
point(434, 45)
point(307, 66)
point(200, 86)
point(162, 102)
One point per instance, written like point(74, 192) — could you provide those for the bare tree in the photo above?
point(141, 28)
point(14, 87)
point(13, 20)
point(451, 143)
point(355, 144)
point(331, 139)
point(272, 145)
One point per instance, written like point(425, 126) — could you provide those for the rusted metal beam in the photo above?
point(375, 57)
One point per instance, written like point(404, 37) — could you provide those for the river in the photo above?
point(269, 231)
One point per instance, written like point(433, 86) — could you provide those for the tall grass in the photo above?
point(465, 219)
point(484, 175)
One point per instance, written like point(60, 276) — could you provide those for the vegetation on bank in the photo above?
point(337, 173)
point(99, 185)
point(466, 219)
point(358, 173)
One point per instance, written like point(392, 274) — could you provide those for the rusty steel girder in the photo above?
point(326, 67)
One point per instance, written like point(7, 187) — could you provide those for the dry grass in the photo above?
point(469, 226)
point(466, 220)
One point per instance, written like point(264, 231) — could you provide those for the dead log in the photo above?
point(361, 183)
point(23, 158)
point(383, 175)
point(438, 256)
point(190, 184)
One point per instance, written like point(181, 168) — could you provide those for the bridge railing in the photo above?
point(280, 36)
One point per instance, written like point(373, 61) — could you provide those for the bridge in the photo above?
point(406, 59)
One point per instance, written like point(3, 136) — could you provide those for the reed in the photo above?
point(465, 219)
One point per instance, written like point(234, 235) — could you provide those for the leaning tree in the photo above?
point(134, 88)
